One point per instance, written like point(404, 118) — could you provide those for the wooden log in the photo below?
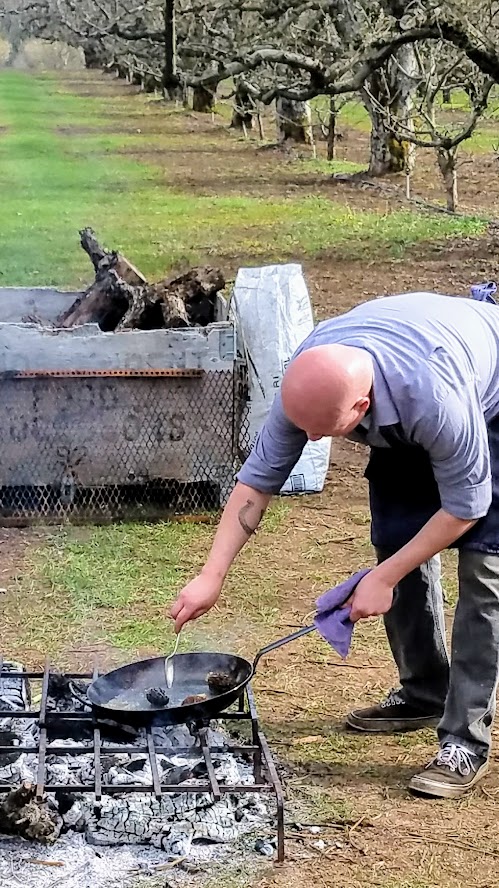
point(121, 299)
point(106, 259)
point(198, 289)
point(22, 815)
point(151, 308)
point(104, 302)
point(175, 302)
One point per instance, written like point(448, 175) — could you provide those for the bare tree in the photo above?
point(291, 52)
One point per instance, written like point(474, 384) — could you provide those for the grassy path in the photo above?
point(70, 160)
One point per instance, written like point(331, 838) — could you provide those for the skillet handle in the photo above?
point(279, 643)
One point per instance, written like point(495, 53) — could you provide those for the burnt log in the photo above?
point(198, 289)
point(103, 303)
point(22, 815)
point(103, 259)
point(152, 309)
point(120, 298)
point(187, 300)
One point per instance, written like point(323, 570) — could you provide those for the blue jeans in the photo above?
point(463, 689)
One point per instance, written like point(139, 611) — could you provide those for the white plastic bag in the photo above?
point(274, 316)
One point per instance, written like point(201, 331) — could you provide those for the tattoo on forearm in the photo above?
point(244, 518)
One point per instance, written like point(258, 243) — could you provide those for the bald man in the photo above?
point(415, 378)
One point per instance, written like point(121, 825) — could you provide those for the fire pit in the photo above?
point(64, 775)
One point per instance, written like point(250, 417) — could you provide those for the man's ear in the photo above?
point(362, 405)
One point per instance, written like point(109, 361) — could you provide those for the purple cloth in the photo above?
point(332, 620)
point(484, 292)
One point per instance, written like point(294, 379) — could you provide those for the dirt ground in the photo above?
point(375, 832)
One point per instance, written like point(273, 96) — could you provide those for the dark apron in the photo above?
point(403, 494)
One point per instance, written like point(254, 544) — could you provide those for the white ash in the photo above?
point(182, 824)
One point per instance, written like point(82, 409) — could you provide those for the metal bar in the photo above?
point(71, 716)
point(22, 674)
point(274, 777)
point(97, 750)
point(116, 750)
point(40, 777)
point(215, 788)
point(153, 517)
point(109, 789)
point(156, 782)
point(255, 731)
point(175, 372)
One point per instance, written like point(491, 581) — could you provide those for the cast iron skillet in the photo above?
point(190, 673)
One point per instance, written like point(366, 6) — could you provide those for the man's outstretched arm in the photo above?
point(240, 519)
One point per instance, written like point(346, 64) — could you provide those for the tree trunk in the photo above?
point(15, 46)
point(243, 114)
point(100, 258)
point(447, 165)
point(151, 83)
point(389, 99)
point(446, 95)
point(293, 121)
point(93, 58)
point(203, 99)
point(331, 132)
point(170, 77)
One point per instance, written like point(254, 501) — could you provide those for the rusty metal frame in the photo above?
point(267, 780)
point(171, 372)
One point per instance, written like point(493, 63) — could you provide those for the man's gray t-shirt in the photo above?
point(436, 378)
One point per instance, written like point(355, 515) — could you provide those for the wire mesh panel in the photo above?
point(104, 446)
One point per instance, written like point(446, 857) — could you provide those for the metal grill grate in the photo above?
point(264, 770)
point(100, 446)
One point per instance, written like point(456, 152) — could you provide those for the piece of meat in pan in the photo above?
point(220, 682)
point(194, 698)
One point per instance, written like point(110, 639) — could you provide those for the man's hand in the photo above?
point(195, 600)
point(372, 597)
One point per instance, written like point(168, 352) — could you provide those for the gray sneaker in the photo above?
point(392, 715)
point(451, 774)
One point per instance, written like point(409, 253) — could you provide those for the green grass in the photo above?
point(118, 580)
point(320, 165)
point(53, 184)
point(116, 584)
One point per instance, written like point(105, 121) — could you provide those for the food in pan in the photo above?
point(219, 682)
point(194, 698)
point(157, 697)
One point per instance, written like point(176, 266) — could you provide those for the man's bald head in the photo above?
point(326, 390)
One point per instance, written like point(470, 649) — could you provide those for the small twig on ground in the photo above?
point(455, 843)
point(71, 875)
point(342, 665)
point(333, 540)
point(277, 691)
point(45, 862)
point(170, 864)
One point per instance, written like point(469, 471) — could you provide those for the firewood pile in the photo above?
point(120, 297)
